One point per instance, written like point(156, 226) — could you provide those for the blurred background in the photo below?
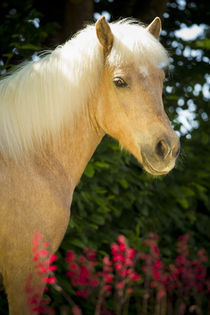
point(115, 196)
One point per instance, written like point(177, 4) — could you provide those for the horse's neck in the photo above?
point(76, 147)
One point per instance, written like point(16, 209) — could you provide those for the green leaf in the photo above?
point(30, 47)
point(183, 202)
point(89, 171)
point(123, 182)
point(96, 218)
point(102, 164)
point(205, 44)
point(78, 243)
point(137, 229)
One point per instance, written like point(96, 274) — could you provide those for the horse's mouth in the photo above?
point(150, 169)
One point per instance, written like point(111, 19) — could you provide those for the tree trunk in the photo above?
point(77, 13)
point(72, 15)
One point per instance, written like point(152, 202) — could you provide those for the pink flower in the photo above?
point(49, 280)
point(73, 266)
point(94, 283)
point(107, 261)
point(128, 262)
point(43, 267)
point(43, 252)
point(82, 294)
point(123, 272)
point(202, 255)
point(153, 284)
point(122, 247)
point(52, 259)
point(184, 238)
point(81, 259)
point(181, 259)
point(121, 239)
point(156, 274)
point(131, 253)
point(129, 291)
point(70, 255)
point(114, 248)
point(90, 253)
point(37, 238)
point(156, 250)
point(109, 278)
point(76, 310)
point(158, 264)
point(136, 277)
point(108, 287)
point(160, 293)
point(120, 285)
point(118, 266)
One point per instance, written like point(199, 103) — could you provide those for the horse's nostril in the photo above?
point(162, 149)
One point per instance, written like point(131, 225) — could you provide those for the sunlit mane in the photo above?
point(133, 43)
point(42, 97)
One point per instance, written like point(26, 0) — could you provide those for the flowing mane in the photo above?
point(41, 97)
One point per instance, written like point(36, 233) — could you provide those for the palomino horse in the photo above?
point(53, 114)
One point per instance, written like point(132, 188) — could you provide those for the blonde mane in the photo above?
point(41, 97)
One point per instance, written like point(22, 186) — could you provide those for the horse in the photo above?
point(107, 79)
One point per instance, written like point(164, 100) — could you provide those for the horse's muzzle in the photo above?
point(160, 158)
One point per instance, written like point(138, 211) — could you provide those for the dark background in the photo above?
point(115, 196)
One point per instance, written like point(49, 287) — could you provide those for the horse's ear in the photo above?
point(155, 27)
point(104, 34)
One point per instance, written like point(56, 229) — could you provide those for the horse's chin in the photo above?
point(150, 168)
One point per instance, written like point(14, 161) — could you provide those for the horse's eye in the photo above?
point(119, 82)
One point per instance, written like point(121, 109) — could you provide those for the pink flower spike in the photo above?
point(156, 274)
point(160, 293)
point(37, 238)
point(128, 262)
point(109, 278)
point(118, 266)
point(49, 280)
point(81, 259)
point(108, 288)
point(76, 310)
point(129, 291)
point(82, 294)
point(122, 247)
point(121, 240)
point(43, 252)
point(73, 266)
point(131, 252)
point(135, 277)
point(120, 285)
point(107, 261)
point(158, 264)
point(123, 272)
point(94, 283)
point(70, 255)
point(52, 268)
point(114, 248)
point(153, 284)
point(52, 258)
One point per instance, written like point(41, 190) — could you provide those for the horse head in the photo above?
point(130, 106)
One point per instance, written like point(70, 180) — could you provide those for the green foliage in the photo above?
point(115, 196)
point(21, 33)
